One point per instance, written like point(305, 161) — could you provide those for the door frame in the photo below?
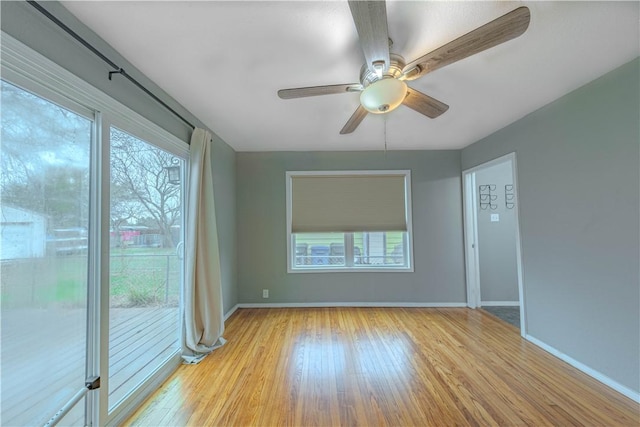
point(152, 136)
point(471, 247)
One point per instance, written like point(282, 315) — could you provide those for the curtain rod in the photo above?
point(100, 55)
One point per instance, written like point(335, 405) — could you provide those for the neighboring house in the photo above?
point(135, 236)
point(23, 233)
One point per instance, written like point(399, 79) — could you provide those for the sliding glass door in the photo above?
point(146, 214)
point(44, 263)
point(91, 265)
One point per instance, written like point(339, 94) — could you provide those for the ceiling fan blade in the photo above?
point(302, 92)
point(424, 104)
point(370, 18)
point(500, 30)
point(354, 120)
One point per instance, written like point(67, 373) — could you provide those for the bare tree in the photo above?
point(45, 168)
point(138, 171)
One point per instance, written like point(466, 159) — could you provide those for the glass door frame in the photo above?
point(93, 264)
point(27, 68)
point(152, 135)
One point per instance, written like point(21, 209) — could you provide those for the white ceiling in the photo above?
point(224, 61)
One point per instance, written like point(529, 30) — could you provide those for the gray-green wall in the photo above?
point(437, 231)
point(24, 23)
point(579, 185)
point(224, 183)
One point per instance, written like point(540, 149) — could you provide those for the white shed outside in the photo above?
point(23, 233)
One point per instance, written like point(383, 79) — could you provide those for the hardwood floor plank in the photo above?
point(380, 366)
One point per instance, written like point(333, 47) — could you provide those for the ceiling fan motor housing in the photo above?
point(368, 76)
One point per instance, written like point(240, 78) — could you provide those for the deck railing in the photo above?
point(137, 279)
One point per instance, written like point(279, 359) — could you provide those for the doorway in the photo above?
point(492, 240)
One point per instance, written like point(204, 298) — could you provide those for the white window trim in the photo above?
point(350, 269)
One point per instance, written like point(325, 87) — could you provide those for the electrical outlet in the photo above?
point(265, 293)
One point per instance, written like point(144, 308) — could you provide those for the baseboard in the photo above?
point(230, 312)
point(351, 304)
point(631, 394)
point(499, 303)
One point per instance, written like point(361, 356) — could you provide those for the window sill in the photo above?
point(388, 269)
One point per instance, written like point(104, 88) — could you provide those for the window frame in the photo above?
point(348, 237)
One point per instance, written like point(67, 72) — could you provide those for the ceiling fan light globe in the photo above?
point(383, 96)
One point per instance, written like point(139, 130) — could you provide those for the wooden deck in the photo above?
point(43, 357)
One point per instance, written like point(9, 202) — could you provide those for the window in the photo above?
point(349, 221)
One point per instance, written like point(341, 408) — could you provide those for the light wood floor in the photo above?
point(380, 366)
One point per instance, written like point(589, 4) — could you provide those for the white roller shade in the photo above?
point(346, 203)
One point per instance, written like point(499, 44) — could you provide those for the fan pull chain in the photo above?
point(385, 134)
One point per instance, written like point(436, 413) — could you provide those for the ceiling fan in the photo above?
point(383, 77)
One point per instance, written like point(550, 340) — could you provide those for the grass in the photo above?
point(70, 290)
point(138, 277)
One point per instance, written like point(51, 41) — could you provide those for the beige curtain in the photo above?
point(203, 312)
